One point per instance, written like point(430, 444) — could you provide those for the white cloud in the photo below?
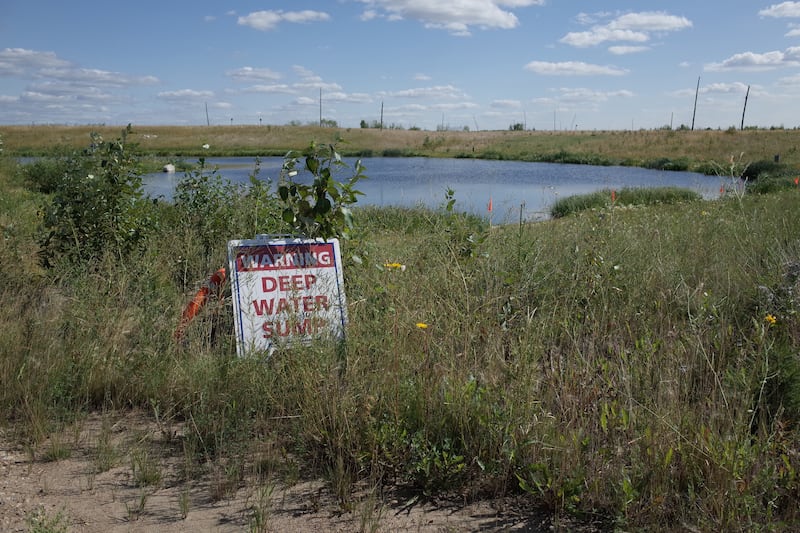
point(269, 20)
point(790, 81)
point(782, 10)
point(20, 61)
point(352, 98)
point(573, 68)
point(506, 104)
point(650, 21)
point(453, 106)
point(305, 73)
point(86, 76)
point(185, 94)
point(623, 50)
point(583, 39)
point(253, 74)
point(581, 95)
point(587, 19)
point(455, 17)
point(724, 88)
point(325, 86)
point(437, 91)
point(718, 88)
point(421, 77)
point(275, 88)
point(754, 61)
point(631, 27)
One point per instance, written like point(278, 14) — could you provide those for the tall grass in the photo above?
point(639, 369)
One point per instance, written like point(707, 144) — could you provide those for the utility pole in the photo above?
point(320, 107)
point(208, 122)
point(745, 105)
point(381, 114)
point(696, 92)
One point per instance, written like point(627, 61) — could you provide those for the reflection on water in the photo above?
point(510, 185)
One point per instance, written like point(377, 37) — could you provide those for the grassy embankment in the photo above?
point(681, 150)
point(636, 366)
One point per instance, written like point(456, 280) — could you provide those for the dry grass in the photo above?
point(627, 147)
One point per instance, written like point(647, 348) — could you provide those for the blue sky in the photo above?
point(480, 64)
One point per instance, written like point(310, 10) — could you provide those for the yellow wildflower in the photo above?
point(422, 325)
point(395, 266)
point(770, 319)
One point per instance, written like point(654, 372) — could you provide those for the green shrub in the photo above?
point(763, 168)
point(98, 206)
point(666, 163)
point(46, 174)
point(771, 184)
point(205, 205)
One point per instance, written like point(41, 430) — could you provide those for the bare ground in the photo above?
point(122, 472)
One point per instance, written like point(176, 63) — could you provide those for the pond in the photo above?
point(510, 185)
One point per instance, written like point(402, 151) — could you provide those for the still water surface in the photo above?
point(511, 185)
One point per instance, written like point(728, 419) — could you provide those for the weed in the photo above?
point(259, 519)
point(105, 453)
point(145, 469)
point(57, 449)
point(135, 509)
point(184, 502)
point(40, 521)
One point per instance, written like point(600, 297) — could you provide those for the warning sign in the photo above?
point(286, 290)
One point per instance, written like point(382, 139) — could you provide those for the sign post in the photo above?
point(285, 290)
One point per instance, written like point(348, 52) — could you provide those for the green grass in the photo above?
point(624, 369)
point(624, 198)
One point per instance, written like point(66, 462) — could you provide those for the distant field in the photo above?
point(692, 149)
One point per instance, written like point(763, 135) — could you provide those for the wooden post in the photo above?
point(745, 106)
point(696, 92)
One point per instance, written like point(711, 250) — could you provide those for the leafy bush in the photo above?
point(205, 202)
point(44, 175)
point(321, 209)
point(764, 168)
point(98, 205)
point(665, 163)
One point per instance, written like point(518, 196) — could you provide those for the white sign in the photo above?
point(285, 290)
